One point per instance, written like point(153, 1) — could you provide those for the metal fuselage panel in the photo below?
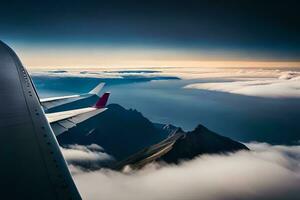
point(32, 166)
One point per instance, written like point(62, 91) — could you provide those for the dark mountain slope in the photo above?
point(183, 146)
point(119, 131)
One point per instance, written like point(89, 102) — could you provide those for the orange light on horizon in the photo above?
point(108, 57)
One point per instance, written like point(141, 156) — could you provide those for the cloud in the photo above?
point(266, 172)
point(87, 157)
point(117, 74)
point(180, 72)
point(251, 82)
point(287, 85)
point(75, 73)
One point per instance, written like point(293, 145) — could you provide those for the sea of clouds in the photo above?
point(265, 172)
point(267, 83)
point(285, 85)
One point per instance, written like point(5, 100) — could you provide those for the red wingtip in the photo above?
point(101, 103)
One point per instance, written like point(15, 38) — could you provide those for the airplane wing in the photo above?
point(52, 102)
point(63, 121)
point(32, 165)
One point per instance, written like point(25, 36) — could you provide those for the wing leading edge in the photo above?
point(32, 166)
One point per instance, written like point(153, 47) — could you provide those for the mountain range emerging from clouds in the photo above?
point(136, 141)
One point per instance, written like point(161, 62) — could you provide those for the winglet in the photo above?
point(97, 89)
point(101, 103)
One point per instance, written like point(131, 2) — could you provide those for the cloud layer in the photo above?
point(267, 172)
point(251, 82)
point(287, 85)
point(103, 73)
point(86, 157)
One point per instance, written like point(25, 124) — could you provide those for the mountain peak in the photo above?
point(200, 128)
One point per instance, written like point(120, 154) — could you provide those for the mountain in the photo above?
point(183, 146)
point(134, 140)
point(166, 129)
point(119, 131)
point(200, 141)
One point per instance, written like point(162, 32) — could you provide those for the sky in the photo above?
point(152, 33)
